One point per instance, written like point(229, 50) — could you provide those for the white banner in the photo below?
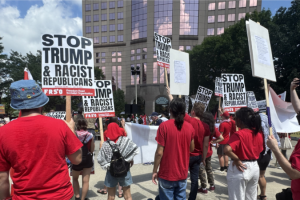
point(218, 87)
point(251, 101)
point(163, 46)
point(203, 95)
point(57, 115)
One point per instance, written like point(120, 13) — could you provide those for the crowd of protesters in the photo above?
point(34, 146)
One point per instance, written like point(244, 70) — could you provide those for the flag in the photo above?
point(27, 74)
point(282, 96)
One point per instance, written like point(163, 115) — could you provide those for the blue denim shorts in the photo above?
point(111, 181)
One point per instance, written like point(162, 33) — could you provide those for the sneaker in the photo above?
point(212, 188)
point(219, 172)
point(279, 168)
point(203, 191)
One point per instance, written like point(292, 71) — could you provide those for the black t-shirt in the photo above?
point(157, 122)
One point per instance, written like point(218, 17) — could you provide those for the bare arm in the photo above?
point(92, 145)
point(236, 161)
point(205, 148)
point(192, 146)
point(71, 125)
point(219, 139)
point(123, 125)
point(4, 185)
point(169, 94)
point(294, 97)
point(76, 157)
point(157, 159)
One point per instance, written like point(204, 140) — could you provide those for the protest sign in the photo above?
point(2, 109)
point(187, 103)
point(262, 105)
point(163, 46)
point(203, 95)
point(102, 104)
point(234, 92)
point(179, 73)
point(251, 101)
point(67, 65)
point(218, 87)
point(57, 115)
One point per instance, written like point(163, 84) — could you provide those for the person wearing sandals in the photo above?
point(86, 166)
point(127, 149)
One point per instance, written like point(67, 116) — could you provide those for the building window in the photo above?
point(242, 15)
point(132, 58)
point(189, 17)
point(132, 76)
point(188, 48)
point(144, 71)
point(103, 5)
point(113, 60)
point(212, 6)
point(138, 57)
point(144, 56)
point(144, 50)
point(88, 29)
point(114, 74)
point(132, 51)
point(120, 4)
point(162, 75)
point(231, 17)
point(103, 54)
point(211, 19)
point(102, 60)
point(138, 51)
point(211, 31)
point(221, 18)
point(96, 29)
point(119, 53)
point(120, 15)
point(242, 3)
point(96, 6)
point(221, 5)
point(231, 4)
point(120, 27)
point(104, 28)
point(111, 16)
point(88, 18)
point(163, 17)
point(98, 54)
point(112, 27)
point(97, 60)
point(253, 3)
point(103, 17)
point(103, 70)
point(112, 4)
point(87, 7)
point(104, 39)
point(220, 31)
point(138, 19)
point(96, 18)
point(120, 77)
point(155, 72)
point(96, 40)
point(120, 38)
point(119, 59)
point(181, 48)
point(113, 53)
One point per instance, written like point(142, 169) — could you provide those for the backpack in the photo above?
point(85, 151)
point(118, 166)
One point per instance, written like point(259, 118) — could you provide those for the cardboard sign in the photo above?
point(251, 101)
point(260, 51)
point(163, 46)
point(179, 73)
point(262, 105)
point(234, 92)
point(218, 87)
point(57, 115)
point(2, 109)
point(187, 103)
point(102, 104)
point(67, 65)
point(203, 95)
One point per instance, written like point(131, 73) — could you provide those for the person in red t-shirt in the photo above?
point(175, 141)
point(35, 146)
point(244, 148)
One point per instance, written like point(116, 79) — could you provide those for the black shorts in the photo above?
point(264, 160)
point(88, 164)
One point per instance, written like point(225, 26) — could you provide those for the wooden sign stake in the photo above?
point(68, 108)
point(101, 130)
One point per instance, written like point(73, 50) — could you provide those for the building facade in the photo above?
point(123, 35)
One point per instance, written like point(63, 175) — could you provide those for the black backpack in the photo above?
point(85, 151)
point(118, 166)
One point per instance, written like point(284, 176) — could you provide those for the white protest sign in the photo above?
point(179, 73)
point(251, 101)
point(67, 65)
point(187, 103)
point(218, 87)
point(260, 51)
point(163, 46)
point(262, 105)
point(203, 95)
point(102, 104)
point(57, 114)
point(193, 101)
point(234, 92)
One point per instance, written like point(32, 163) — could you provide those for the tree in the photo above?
point(99, 74)
point(119, 101)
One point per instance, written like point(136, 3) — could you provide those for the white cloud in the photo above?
point(24, 34)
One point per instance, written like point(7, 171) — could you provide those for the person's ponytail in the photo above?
point(255, 122)
point(177, 109)
point(249, 118)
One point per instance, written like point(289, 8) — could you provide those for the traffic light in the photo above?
point(137, 69)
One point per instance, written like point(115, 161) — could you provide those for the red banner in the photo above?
point(97, 115)
point(69, 92)
point(232, 109)
point(162, 64)
point(219, 95)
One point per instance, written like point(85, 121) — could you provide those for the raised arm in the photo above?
point(294, 97)
point(169, 94)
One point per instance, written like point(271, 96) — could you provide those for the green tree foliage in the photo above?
point(119, 101)
point(99, 74)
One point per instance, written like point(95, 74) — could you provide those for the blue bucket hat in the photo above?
point(154, 114)
point(27, 94)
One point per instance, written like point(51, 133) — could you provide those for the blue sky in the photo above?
point(24, 21)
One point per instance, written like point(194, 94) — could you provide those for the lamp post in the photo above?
point(135, 71)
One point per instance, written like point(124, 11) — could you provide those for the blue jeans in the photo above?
point(172, 189)
point(194, 174)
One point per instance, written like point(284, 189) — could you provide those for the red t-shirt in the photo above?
point(295, 161)
point(201, 130)
point(233, 127)
point(216, 135)
point(174, 164)
point(246, 145)
point(35, 147)
point(225, 128)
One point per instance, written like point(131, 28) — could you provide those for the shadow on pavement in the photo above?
point(142, 178)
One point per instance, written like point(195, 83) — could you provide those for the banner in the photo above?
point(251, 101)
point(102, 104)
point(57, 115)
point(162, 46)
point(187, 103)
point(203, 96)
point(218, 87)
point(262, 105)
point(234, 92)
point(282, 96)
point(67, 65)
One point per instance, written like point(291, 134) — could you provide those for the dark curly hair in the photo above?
point(177, 109)
point(81, 124)
point(249, 118)
point(208, 118)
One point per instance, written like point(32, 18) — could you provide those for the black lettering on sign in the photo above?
point(48, 41)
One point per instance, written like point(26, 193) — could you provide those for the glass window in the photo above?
point(144, 71)
point(112, 27)
point(154, 49)
point(97, 61)
point(103, 60)
point(144, 50)
point(87, 7)
point(119, 53)
point(103, 70)
point(113, 60)
point(231, 17)
point(138, 57)
point(163, 17)
point(253, 3)
point(155, 72)
point(120, 27)
point(242, 15)
point(103, 17)
point(189, 17)
point(221, 18)
point(113, 53)
point(138, 19)
point(242, 3)
point(114, 74)
point(96, 6)
point(104, 39)
point(88, 18)
point(103, 5)
point(220, 31)
point(103, 54)
point(112, 4)
point(98, 54)
point(138, 51)
point(104, 28)
point(112, 38)
point(231, 4)
point(120, 15)
point(96, 18)
point(132, 76)
point(181, 48)
point(132, 57)
point(111, 16)
point(119, 59)
point(96, 29)
point(211, 31)
point(144, 56)
point(88, 29)
point(120, 77)
point(162, 75)
point(120, 4)
point(212, 6)
point(132, 51)
point(211, 19)
point(138, 67)
point(221, 5)
point(188, 48)
point(120, 38)
point(96, 40)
